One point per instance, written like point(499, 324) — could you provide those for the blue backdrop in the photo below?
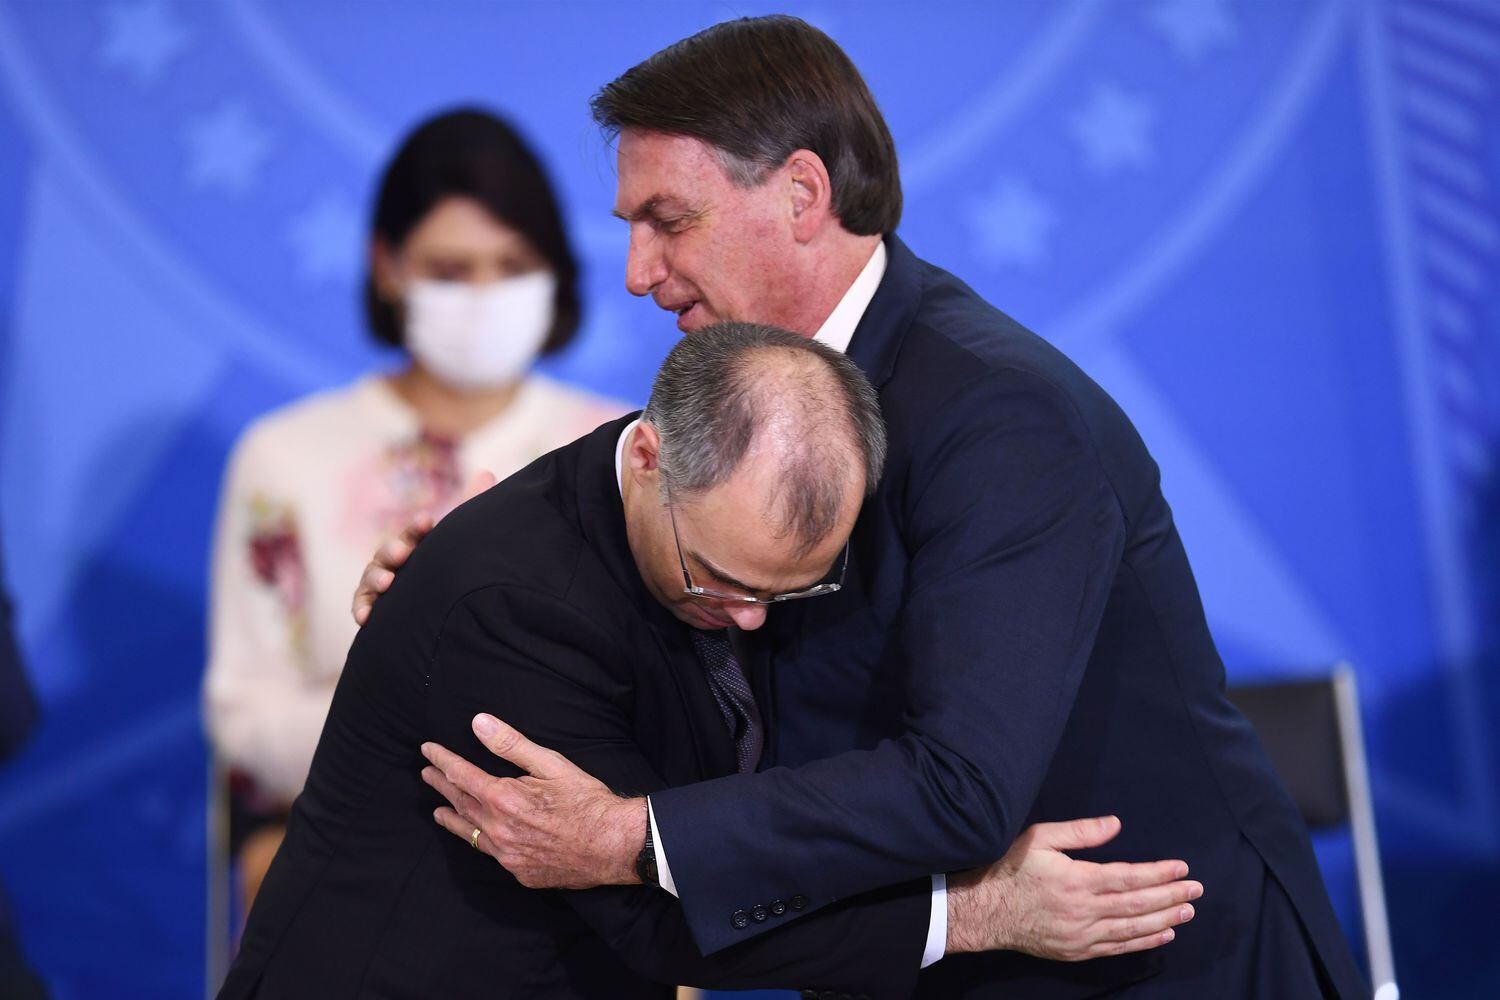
point(1271, 230)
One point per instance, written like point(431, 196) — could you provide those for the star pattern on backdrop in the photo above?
point(1194, 28)
point(325, 238)
point(226, 149)
point(1113, 130)
point(142, 39)
point(142, 42)
point(1012, 224)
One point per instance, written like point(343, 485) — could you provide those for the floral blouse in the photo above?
point(311, 490)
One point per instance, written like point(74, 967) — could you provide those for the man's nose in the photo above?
point(644, 267)
point(747, 617)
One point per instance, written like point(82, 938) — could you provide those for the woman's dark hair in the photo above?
point(473, 154)
point(758, 89)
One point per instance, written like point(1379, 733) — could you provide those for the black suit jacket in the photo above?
point(1020, 639)
point(524, 602)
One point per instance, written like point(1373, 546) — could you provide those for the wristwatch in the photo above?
point(645, 862)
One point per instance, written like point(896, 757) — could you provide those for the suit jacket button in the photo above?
point(799, 902)
point(778, 907)
point(758, 913)
point(740, 920)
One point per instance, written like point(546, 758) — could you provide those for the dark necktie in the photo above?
point(731, 690)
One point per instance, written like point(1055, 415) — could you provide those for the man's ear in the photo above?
point(643, 450)
point(811, 193)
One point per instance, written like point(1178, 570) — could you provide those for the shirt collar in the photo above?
point(620, 455)
point(838, 329)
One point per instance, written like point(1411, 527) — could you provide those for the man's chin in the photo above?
point(700, 618)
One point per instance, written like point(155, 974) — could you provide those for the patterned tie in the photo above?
point(726, 679)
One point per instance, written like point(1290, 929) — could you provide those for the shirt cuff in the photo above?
point(664, 876)
point(937, 926)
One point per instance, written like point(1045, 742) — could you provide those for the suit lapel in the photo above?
point(877, 339)
point(875, 346)
point(602, 521)
point(712, 743)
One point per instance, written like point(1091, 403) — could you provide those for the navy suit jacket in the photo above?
point(1020, 639)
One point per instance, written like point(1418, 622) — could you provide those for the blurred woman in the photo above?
point(472, 275)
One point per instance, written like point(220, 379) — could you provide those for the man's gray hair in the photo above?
point(720, 394)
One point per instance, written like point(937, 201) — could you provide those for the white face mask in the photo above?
point(480, 338)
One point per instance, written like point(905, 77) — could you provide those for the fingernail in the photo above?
point(485, 725)
point(1185, 914)
point(1169, 934)
point(1195, 890)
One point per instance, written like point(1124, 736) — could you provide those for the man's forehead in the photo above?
point(640, 146)
point(654, 168)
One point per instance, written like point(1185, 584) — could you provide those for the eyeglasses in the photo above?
point(692, 590)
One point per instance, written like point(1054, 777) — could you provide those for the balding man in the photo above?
point(589, 629)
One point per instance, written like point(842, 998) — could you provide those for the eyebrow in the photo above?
point(646, 209)
point(652, 206)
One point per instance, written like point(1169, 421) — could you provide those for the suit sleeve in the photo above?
point(1013, 535)
point(560, 680)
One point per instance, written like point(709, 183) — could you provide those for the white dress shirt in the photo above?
point(836, 332)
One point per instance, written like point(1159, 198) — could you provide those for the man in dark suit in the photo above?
point(1020, 637)
point(558, 598)
point(551, 597)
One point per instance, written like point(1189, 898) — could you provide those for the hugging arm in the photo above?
point(1013, 536)
point(560, 678)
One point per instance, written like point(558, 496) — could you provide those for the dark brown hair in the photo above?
point(757, 89)
point(472, 153)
